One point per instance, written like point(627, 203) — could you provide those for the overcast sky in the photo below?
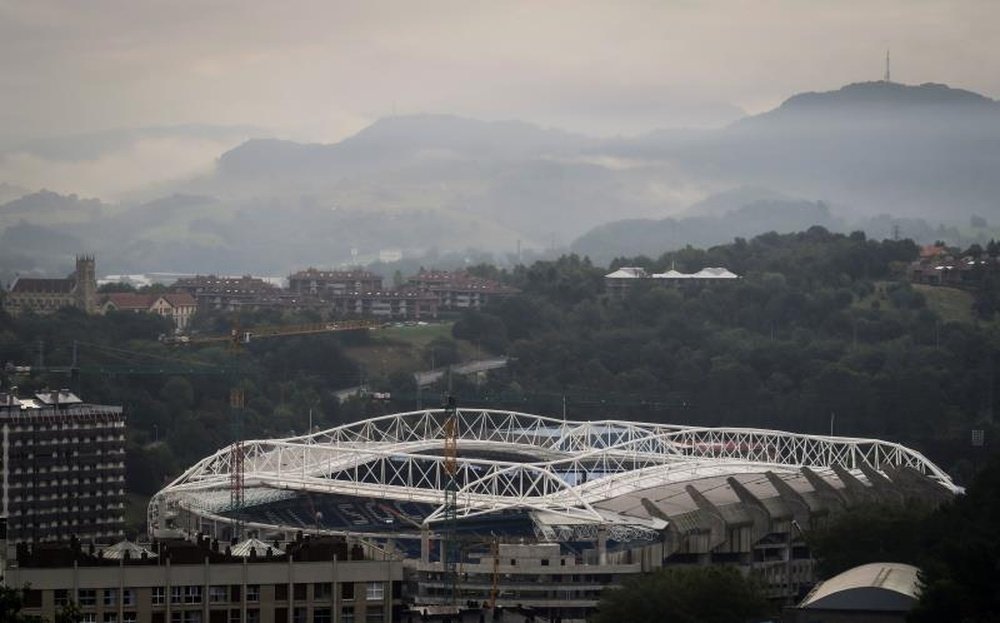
point(321, 70)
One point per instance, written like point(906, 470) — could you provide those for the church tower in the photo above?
point(86, 284)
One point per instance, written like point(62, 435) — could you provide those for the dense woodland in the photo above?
point(822, 332)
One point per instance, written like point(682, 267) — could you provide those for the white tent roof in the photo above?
point(118, 550)
point(885, 586)
point(260, 548)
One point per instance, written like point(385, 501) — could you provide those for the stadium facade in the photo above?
point(549, 512)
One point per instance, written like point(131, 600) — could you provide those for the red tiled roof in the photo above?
point(128, 300)
point(180, 299)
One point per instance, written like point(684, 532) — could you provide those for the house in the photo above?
point(178, 306)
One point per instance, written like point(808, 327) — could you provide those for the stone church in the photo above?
point(44, 296)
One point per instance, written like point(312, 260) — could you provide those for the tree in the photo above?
point(11, 602)
point(960, 574)
point(684, 595)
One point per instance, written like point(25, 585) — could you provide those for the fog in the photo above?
point(383, 119)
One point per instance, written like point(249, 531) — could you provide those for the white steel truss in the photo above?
point(511, 460)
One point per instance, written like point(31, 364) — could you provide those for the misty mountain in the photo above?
point(392, 143)
point(925, 151)
point(429, 183)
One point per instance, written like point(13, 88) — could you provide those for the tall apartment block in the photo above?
point(63, 468)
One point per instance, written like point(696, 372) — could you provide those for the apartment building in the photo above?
point(63, 468)
point(310, 581)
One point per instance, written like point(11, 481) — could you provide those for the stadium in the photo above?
point(545, 511)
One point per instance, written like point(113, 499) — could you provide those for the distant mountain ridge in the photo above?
point(432, 183)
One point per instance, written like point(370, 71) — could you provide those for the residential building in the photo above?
point(63, 468)
point(460, 290)
point(620, 282)
point(327, 283)
point(404, 303)
point(307, 581)
point(180, 307)
point(44, 296)
point(231, 293)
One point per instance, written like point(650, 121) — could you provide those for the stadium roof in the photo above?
point(879, 586)
point(600, 472)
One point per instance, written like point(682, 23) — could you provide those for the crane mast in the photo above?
point(451, 497)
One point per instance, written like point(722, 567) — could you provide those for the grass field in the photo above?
point(951, 304)
point(400, 349)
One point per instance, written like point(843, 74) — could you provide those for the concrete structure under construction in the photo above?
point(549, 512)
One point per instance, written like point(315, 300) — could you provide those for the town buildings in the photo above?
point(328, 283)
point(319, 580)
point(458, 290)
point(180, 307)
point(231, 293)
point(63, 468)
point(44, 296)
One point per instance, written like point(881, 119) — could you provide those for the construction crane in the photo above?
point(236, 338)
point(239, 335)
point(451, 551)
point(495, 580)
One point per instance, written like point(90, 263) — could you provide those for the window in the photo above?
point(253, 616)
point(218, 594)
point(110, 617)
point(87, 597)
point(322, 590)
point(110, 597)
point(347, 591)
point(374, 614)
point(281, 594)
point(32, 598)
point(234, 616)
point(321, 615)
point(185, 594)
point(545, 562)
point(62, 597)
point(253, 592)
point(234, 593)
point(375, 591)
point(129, 617)
point(88, 617)
point(299, 592)
point(347, 614)
point(128, 597)
point(299, 615)
point(159, 596)
point(280, 615)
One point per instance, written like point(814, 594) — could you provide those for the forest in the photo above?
point(822, 333)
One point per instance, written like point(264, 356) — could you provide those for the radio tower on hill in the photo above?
point(887, 77)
